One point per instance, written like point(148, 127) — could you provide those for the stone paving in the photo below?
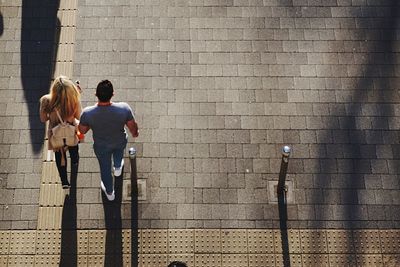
point(218, 87)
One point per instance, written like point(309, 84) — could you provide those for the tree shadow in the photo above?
point(39, 39)
point(113, 222)
point(69, 250)
point(375, 86)
point(358, 138)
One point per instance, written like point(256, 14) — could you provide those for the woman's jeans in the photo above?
point(104, 155)
point(62, 170)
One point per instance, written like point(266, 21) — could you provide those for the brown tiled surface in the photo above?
point(157, 247)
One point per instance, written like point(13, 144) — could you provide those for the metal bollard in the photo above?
point(282, 173)
point(132, 158)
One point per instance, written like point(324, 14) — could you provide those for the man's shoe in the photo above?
point(118, 171)
point(111, 196)
point(66, 186)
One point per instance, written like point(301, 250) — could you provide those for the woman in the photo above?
point(64, 97)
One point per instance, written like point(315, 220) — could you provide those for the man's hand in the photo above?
point(83, 128)
point(133, 128)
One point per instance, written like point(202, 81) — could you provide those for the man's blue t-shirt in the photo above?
point(107, 123)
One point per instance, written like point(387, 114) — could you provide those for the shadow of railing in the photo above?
point(281, 193)
point(39, 39)
point(134, 210)
point(69, 250)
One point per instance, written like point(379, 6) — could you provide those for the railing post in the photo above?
point(132, 158)
point(281, 188)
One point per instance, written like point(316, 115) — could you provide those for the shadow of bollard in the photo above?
point(281, 191)
point(134, 209)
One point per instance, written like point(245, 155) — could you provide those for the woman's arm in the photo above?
point(44, 116)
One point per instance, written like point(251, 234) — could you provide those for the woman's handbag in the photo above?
point(64, 134)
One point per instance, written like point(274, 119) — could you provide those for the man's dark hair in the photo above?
point(177, 264)
point(104, 91)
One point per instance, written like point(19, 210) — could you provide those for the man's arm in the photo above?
point(83, 128)
point(133, 127)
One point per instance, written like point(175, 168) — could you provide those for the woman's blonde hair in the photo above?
point(64, 96)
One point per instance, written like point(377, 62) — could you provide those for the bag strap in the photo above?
point(59, 117)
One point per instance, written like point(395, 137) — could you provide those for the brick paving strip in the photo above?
point(198, 247)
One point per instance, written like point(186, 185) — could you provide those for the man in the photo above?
point(107, 120)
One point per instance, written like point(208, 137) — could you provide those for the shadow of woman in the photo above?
point(39, 39)
point(69, 250)
point(113, 223)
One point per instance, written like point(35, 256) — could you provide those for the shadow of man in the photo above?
point(113, 223)
point(69, 250)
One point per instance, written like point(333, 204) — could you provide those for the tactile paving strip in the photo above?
point(207, 241)
point(295, 260)
point(366, 241)
point(186, 258)
point(235, 260)
point(390, 241)
point(47, 260)
point(369, 260)
point(126, 241)
point(293, 240)
point(67, 35)
point(21, 260)
point(208, 260)
point(67, 17)
point(154, 241)
point(313, 241)
point(260, 241)
point(315, 260)
point(392, 260)
point(50, 173)
point(4, 242)
point(234, 241)
point(62, 68)
point(127, 260)
point(22, 242)
point(70, 4)
point(51, 195)
point(339, 241)
point(342, 260)
point(49, 218)
point(3, 260)
point(65, 51)
point(180, 241)
point(48, 242)
point(258, 260)
point(96, 260)
point(97, 241)
point(153, 260)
